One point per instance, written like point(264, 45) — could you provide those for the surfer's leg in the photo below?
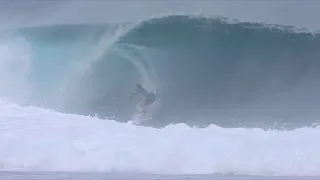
point(140, 107)
point(143, 110)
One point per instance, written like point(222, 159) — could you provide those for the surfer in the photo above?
point(149, 97)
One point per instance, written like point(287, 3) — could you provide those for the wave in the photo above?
point(203, 70)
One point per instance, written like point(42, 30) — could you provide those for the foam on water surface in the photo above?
point(38, 139)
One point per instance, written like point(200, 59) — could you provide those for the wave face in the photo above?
point(203, 70)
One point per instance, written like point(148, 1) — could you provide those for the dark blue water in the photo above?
point(203, 70)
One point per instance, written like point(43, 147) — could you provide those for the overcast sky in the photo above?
point(15, 13)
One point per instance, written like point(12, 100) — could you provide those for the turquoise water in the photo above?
point(208, 69)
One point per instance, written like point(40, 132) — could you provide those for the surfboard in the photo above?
point(139, 116)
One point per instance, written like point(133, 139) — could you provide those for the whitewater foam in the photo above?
point(38, 139)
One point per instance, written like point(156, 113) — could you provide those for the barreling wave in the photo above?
point(203, 70)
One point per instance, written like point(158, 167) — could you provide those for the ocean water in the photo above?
point(203, 70)
point(233, 97)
